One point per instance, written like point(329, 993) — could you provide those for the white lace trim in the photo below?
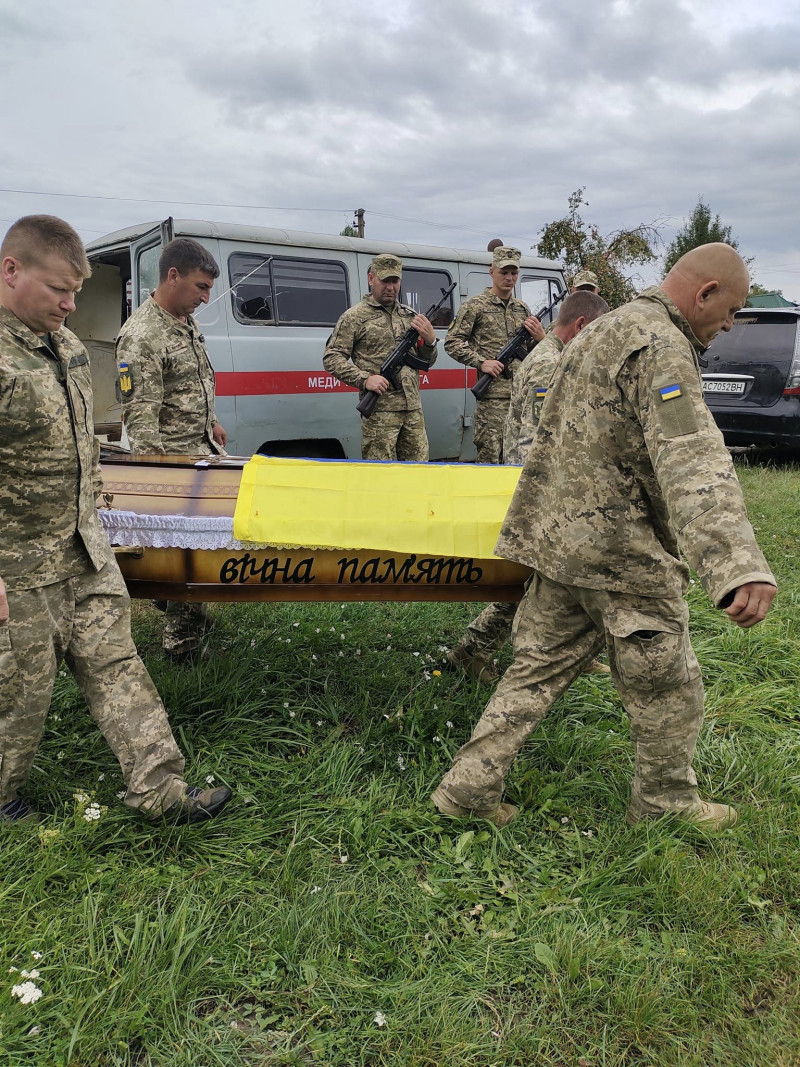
point(131, 529)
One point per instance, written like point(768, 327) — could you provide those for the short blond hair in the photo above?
point(33, 237)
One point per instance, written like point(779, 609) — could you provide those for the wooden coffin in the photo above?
point(161, 485)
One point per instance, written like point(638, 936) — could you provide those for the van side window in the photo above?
point(287, 292)
point(421, 288)
point(535, 292)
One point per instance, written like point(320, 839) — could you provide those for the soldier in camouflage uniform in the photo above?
point(61, 592)
point(627, 472)
point(487, 633)
point(361, 340)
point(481, 328)
point(167, 389)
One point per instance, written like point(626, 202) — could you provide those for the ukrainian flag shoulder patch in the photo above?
point(541, 393)
point(670, 392)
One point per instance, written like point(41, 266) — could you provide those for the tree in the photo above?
point(758, 290)
point(698, 229)
point(348, 231)
point(583, 247)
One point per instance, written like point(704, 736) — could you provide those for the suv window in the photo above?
point(421, 288)
point(286, 291)
point(755, 338)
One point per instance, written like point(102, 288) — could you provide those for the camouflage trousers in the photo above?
point(85, 621)
point(185, 626)
point(489, 631)
point(390, 435)
point(558, 629)
point(487, 430)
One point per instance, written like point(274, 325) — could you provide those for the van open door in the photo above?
point(145, 253)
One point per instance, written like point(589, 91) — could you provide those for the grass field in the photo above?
point(329, 917)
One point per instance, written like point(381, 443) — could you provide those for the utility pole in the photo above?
point(358, 221)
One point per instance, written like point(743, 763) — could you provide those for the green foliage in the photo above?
point(329, 890)
point(348, 231)
point(698, 229)
point(583, 247)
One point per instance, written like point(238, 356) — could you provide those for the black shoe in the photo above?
point(197, 805)
point(16, 810)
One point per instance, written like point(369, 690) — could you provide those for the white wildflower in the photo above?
point(286, 703)
point(210, 779)
point(81, 798)
point(436, 737)
point(36, 955)
point(343, 858)
point(101, 777)
point(313, 656)
point(317, 630)
point(12, 970)
point(401, 763)
point(415, 653)
point(29, 974)
point(564, 820)
point(295, 624)
point(253, 643)
point(588, 833)
point(435, 707)
point(358, 651)
point(333, 629)
point(316, 889)
point(61, 754)
point(341, 653)
point(121, 794)
point(34, 1030)
point(380, 1019)
point(319, 722)
point(449, 725)
point(28, 992)
point(292, 714)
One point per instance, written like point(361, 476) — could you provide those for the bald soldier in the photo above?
point(361, 340)
point(481, 328)
point(627, 474)
point(486, 634)
point(61, 593)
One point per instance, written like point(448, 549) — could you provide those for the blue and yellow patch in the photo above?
point(125, 380)
point(541, 393)
point(669, 392)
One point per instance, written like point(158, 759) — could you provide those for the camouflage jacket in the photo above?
point(528, 391)
point(628, 469)
point(49, 472)
point(480, 329)
point(362, 339)
point(166, 383)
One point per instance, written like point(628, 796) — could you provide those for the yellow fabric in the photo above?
point(428, 508)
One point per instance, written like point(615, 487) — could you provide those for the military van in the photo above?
point(267, 322)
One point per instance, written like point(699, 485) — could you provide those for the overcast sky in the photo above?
point(449, 121)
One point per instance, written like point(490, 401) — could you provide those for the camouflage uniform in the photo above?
point(167, 389)
point(627, 471)
point(489, 631)
point(65, 593)
point(481, 328)
point(361, 340)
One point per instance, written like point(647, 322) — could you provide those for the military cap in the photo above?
point(585, 277)
point(506, 257)
point(386, 266)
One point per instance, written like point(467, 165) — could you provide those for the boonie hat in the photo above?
point(585, 277)
point(504, 256)
point(386, 266)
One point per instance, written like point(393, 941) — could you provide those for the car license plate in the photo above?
point(732, 388)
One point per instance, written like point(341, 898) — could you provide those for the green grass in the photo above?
point(330, 891)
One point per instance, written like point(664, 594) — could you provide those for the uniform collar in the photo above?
point(27, 336)
point(171, 320)
point(657, 294)
point(370, 299)
point(492, 295)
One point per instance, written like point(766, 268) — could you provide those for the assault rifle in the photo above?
point(514, 348)
point(403, 355)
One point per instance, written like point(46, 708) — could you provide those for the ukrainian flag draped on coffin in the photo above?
point(427, 508)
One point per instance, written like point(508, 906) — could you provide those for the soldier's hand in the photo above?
point(3, 602)
point(534, 328)
point(376, 383)
point(219, 434)
point(751, 603)
point(424, 329)
point(492, 366)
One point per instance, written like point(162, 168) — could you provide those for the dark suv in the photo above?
point(752, 381)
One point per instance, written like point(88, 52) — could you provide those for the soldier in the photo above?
point(167, 389)
point(487, 633)
point(627, 471)
point(479, 331)
point(585, 280)
point(362, 338)
point(62, 595)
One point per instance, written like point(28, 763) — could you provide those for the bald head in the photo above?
point(707, 286)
